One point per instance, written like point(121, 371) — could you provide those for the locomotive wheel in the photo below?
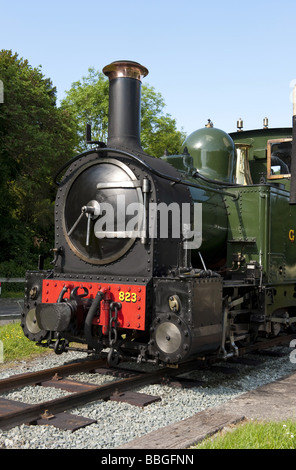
point(31, 321)
point(168, 337)
point(30, 325)
point(171, 337)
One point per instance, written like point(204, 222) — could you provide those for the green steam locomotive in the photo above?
point(165, 259)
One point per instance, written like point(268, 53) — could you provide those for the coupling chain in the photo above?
point(113, 323)
point(113, 335)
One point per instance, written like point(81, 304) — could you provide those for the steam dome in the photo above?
point(213, 153)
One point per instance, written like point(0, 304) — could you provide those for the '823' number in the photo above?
point(127, 296)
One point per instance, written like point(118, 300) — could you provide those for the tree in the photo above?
point(88, 101)
point(36, 138)
point(158, 130)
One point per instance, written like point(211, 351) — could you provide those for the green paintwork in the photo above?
point(257, 154)
point(257, 139)
point(259, 226)
point(262, 226)
point(260, 221)
point(182, 162)
point(214, 216)
point(214, 226)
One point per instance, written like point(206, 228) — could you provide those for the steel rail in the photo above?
point(267, 343)
point(101, 392)
point(29, 378)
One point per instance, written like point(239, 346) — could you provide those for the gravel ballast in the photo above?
point(119, 423)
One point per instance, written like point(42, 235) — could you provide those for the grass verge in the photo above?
point(254, 435)
point(15, 345)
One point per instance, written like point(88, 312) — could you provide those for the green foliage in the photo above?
point(13, 290)
point(88, 101)
point(255, 435)
point(159, 132)
point(36, 138)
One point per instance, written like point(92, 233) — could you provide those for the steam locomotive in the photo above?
point(165, 259)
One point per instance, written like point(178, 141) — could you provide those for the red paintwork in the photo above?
point(132, 298)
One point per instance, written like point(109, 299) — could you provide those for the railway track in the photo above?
point(14, 413)
point(54, 412)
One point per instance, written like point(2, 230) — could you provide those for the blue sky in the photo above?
point(208, 59)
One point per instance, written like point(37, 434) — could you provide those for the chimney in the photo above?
point(125, 104)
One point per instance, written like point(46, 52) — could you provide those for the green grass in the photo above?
point(254, 435)
point(15, 344)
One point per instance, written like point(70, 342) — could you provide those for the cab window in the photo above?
point(279, 158)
